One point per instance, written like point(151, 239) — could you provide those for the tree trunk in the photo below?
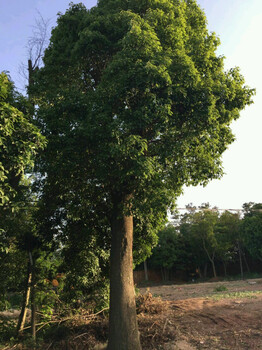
point(246, 263)
point(240, 260)
point(33, 306)
point(162, 273)
point(214, 268)
point(123, 328)
point(205, 271)
point(166, 274)
point(211, 259)
point(225, 268)
point(22, 316)
point(145, 269)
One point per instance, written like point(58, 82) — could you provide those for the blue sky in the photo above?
point(238, 23)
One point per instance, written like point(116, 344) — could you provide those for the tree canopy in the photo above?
point(19, 139)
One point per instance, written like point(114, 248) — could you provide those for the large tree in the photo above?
point(135, 103)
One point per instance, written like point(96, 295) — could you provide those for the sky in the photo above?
point(238, 24)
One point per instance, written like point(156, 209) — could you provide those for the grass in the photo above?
point(221, 288)
point(236, 295)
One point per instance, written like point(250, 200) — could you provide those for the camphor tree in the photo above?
point(135, 103)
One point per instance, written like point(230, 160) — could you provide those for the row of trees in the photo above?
point(205, 236)
point(132, 103)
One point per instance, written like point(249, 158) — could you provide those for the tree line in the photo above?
point(204, 237)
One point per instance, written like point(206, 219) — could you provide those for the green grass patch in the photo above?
point(236, 295)
point(221, 288)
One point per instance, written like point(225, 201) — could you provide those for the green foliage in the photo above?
point(228, 236)
point(86, 265)
point(221, 288)
point(251, 228)
point(13, 269)
point(170, 251)
point(198, 228)
point(7, 330)
point(144, 108)
point(19, 139)
point(4, 303)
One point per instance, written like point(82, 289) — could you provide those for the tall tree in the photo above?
point(135, 103)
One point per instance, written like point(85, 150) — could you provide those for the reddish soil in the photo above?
point(232, 322)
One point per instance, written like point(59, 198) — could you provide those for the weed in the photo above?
point(221, 288)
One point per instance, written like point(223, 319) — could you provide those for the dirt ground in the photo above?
point(196, 316)
point(196, 290)
point(179, 317)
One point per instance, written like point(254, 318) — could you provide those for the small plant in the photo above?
point(4, 304)
point(236, 295)
point(221, 288)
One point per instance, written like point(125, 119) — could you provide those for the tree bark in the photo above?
point(33, 306)
point(162, 273)
point(123, 328)
point(225, 268)
point(22, 316)
point(246, 263)
point(211, 259)
point(240, 260)
point(205, 271)
point(145, 269)
point(214, 268)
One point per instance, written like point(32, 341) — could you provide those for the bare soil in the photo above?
point(181, 317)
point(198, 317)
point(196, 290)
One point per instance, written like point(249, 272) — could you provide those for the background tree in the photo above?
point(170, 252)
point(197, 257)
point(19, 140)
point(229, 239)
point(203, 228)
point(251, 229)
point(134, 103)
